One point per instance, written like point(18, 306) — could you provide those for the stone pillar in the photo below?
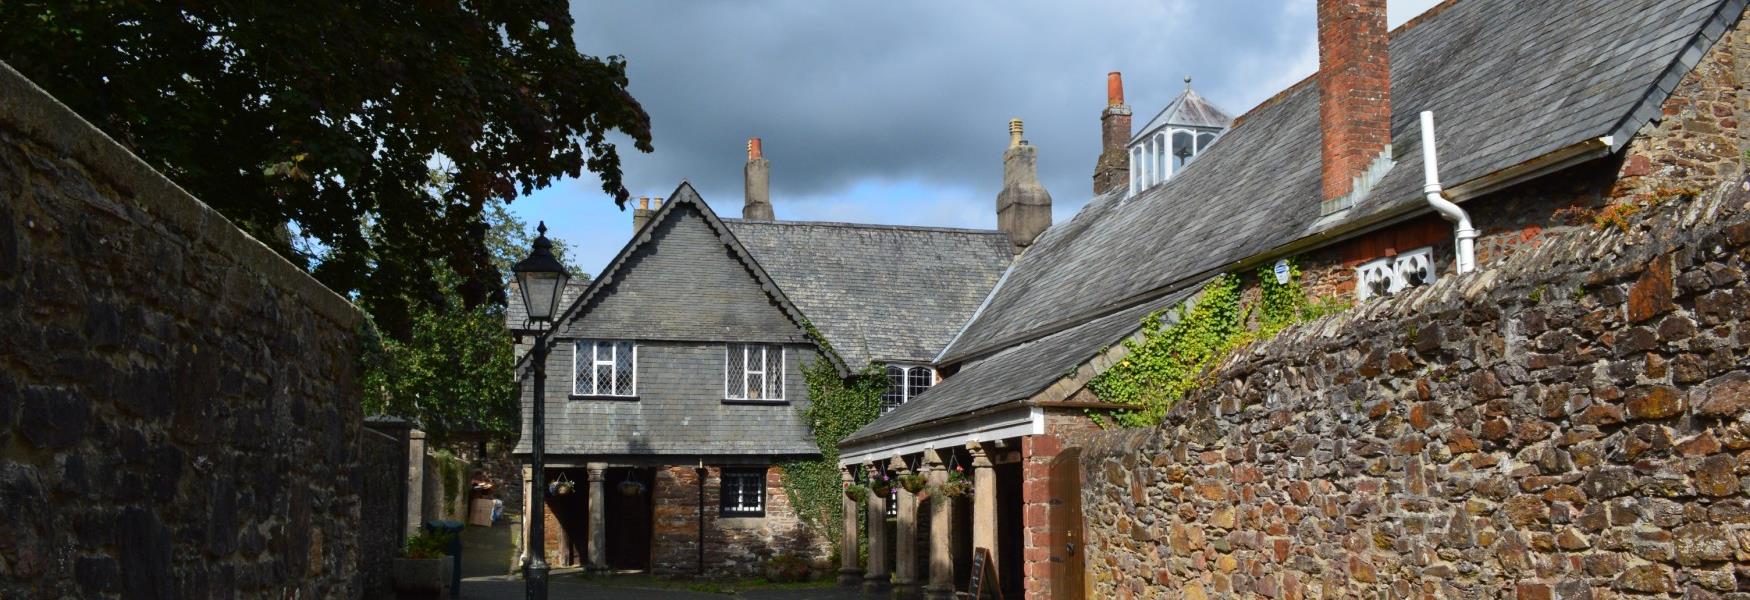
point(941, 585)
point(598, 528)
point(415, 481)
point(984, 503)
point(877, 579)
point(905, 556)
point(528, 510)
point(850, 574)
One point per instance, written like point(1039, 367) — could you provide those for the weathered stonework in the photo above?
point(179, 406)
point(734, 547)
point(1568, 422)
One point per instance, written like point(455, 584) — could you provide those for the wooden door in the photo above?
point(1067, 573)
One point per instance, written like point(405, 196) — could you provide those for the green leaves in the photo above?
point(1169, 360)
point(837, 407)
point(319, 115)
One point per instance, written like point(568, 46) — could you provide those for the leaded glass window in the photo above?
point(905, 383)
point(753, 372)
point(742, 492)
point(605, 368)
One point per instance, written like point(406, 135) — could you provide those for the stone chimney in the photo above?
point(1354, 98)
point(758, 205)
point(641, 215)
point(1112, 172)
point(1023, 207)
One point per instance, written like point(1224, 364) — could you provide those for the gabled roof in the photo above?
point(1508, 81)
point(879, 292)
point(1187, 110)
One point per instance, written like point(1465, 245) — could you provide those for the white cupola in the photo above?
point(1174, 138)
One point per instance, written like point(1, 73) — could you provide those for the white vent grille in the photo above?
point(1393, 274)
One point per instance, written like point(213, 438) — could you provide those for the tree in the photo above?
point(300, 120)
point(454, 370)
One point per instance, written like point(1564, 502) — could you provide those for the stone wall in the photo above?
point(382, 477)
point(1569, 422)
point(179, 406)
point(734, 547)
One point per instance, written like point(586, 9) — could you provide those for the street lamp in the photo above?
point(541, 282)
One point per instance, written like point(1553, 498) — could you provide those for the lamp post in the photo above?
point(541, 282)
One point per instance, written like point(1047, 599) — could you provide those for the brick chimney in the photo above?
point(641, 215)
point(758, 205)
point(1354, 98)
point(1023, 207)
point(1112, 172)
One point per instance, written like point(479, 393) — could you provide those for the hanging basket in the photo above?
point(563, 486)
point(631, 488)
point(857, 493)
point(956, 488)
point(913, 483)
point(881, 488)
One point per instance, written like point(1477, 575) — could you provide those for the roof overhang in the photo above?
point(1007, 420)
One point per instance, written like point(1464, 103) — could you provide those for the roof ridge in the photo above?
point(929, 228)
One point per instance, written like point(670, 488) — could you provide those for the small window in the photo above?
point(743, 493)
point(905, 383)
point(753, 372)
point(605, 368)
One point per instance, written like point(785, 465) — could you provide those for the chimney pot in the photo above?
point(1023, 206)
point(644, 202)
point(1112, 170)
point(756, 180)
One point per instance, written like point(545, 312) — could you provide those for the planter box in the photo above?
point(422, 577)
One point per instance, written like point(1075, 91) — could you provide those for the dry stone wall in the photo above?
point(179, 410)
point(1570, 422)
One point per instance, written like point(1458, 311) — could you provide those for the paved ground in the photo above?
point(565, 588)
point(487, 553)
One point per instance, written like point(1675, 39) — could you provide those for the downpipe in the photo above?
point(1463, 232)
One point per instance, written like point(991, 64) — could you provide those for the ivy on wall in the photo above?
point(837, 407)
point(1170, 359)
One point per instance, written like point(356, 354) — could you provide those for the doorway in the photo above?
point(1068, 576)
point(627, 517)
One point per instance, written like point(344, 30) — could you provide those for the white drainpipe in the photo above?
point(1464, 232)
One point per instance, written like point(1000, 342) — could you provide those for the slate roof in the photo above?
point(879, 292)
point(1188, 109)
point(1508, 81)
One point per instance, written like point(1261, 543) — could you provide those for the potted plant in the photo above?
point(957, 485)
point(631, 488)
point(563, 486)
point(913, 483)
point(423, 569)
point(880, 485)
point(857, 493)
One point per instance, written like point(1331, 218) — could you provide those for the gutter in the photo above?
point(1545, 164)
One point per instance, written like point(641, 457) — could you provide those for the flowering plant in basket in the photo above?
point(913, 483)
point(957, 484)
point(880, 484)
point(857, 493)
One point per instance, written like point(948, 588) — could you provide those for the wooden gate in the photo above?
point(1067, 569)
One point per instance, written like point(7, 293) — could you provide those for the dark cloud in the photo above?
point(918, 92)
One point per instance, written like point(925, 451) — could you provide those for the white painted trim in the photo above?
point(1024, 420)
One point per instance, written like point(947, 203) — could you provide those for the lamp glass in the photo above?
point(541, 291)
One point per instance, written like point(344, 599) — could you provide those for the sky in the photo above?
point(897, 111)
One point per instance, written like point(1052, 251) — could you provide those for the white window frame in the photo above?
point(613, 363)
point(737, 509)
point(730, 389)
point(905, 389)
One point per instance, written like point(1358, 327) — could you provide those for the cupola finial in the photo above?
point(1187, 83)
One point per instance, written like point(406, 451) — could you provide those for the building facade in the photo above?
point(675, 388)
point(1544, 125)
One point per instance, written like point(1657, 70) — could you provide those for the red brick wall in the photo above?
point(734, 547)
point(1037, 454)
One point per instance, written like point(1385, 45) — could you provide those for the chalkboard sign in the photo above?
point(980, 564)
